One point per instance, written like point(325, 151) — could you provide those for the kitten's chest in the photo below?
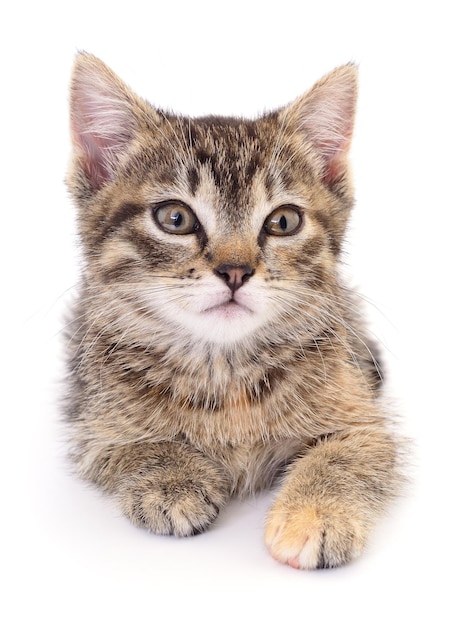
point(216, 400)
point(234, 404)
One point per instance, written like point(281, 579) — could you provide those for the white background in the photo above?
point(68, 557)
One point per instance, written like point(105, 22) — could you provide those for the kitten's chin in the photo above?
point(223, 324)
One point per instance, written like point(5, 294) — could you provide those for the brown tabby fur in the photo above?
point(173, 422)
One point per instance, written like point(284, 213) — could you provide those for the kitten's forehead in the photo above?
point(231, 163)
point(215, 164)
point(230, 150)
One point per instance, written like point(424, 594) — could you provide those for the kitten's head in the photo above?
point(217, 229)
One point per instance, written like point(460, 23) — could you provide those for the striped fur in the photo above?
point(205, 364)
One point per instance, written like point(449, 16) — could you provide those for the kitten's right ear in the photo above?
point(103, 119)
point(325, 117)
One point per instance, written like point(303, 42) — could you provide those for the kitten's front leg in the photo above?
point(167, 487)
point(331, 498)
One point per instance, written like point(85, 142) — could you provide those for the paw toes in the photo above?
point(295, 563)
point(294, 538)
point(181, 512)
point(305, 539)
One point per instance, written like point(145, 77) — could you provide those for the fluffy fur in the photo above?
point(213, 345)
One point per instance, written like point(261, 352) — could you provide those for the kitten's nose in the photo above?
point(234, 275)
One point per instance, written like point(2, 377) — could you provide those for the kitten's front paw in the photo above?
point(179, 496)
point(306, 538)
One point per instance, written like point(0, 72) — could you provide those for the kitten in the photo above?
point(213, 346)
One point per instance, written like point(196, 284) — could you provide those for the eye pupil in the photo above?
point(176, 219)
point(283, 223)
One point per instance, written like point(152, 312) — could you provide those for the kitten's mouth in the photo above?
point(229, 309)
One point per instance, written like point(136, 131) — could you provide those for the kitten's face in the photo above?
point(218, 229)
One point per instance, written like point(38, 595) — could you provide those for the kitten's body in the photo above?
point(213, 344)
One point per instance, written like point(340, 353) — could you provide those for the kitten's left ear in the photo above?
point(325, 115)
point(104, 119)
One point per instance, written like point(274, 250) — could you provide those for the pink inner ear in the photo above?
point(337, 146)
point(101, 124)
point(334, 170)
point(328, 112)
point(92, 157)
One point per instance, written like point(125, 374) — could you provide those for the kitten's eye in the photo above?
point(286, 220)
point(175, 218)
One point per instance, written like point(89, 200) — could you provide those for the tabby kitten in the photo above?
point(213, 345)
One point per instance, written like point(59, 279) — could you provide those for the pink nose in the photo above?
point(234, 275)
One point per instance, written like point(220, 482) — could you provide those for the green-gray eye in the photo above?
point(175, 218)
point(286, 220)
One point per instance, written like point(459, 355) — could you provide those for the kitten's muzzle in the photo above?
point(234, 275)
